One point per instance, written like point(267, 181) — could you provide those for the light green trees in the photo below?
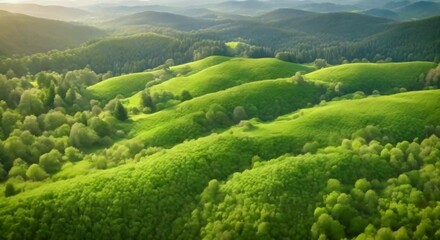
point(82, 136)
point(30, 103)
point(239, 114)
point(36, 173)
point(51, 162)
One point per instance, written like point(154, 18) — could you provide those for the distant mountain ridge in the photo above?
point(22, 34)
point(164, 19)
point(48, 12)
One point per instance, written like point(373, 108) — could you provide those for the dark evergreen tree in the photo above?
point(9, 190)
point(147, 101)
point(185, 96)
point(50, 96)
point(120, 112)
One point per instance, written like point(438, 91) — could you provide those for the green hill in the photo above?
point(402, 117)
point(421, 9)
point(124, 54)
point(328, 7)
point(231, 73)
point(164, 19)
point(218, 77)
point(21, 34)
point(344, 24)
point(184, 185)
point(421, 35)
point(383, 13)
point(130, 84)
point(367, 77)
point(191, 119)
point(283, 14)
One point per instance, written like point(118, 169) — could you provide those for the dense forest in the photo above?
point(367, 39)
point(282, 124)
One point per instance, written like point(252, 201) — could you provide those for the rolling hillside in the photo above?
point(220, 119)
point(346, 25)
point(188, 120)
point(163, 19)
point(382, 13)
point(21, 34)
point(128, 85)
point(283, 14)
point(367, 77)
point(421, 35)
point(254, 153)
point(208, 165)
point(326, 7)
point(231, 73)
point(206, 79)
point(421, 9)
point(123, 54)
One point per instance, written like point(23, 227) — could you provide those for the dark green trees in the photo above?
point(50, 162)
point(9, 190)
point(185, 96)
point(120, 112)
point(239, 114)
point(147, 101)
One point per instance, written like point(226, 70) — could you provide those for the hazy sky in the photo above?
point(70, 2)
point(136, 2)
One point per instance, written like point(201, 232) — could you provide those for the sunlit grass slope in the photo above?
point(129, 84)
point(401, 116)
point(231, 73)
point(368, 77)
point(124, 85)
point(227, 74)
point(156, 197)
point(264, 99)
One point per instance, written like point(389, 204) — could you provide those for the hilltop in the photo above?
point(367, 77)
point(420, 35)
point(163, 19)
point(345, 25)
point(283, 14)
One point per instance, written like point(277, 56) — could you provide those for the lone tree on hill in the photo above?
point(120, 112)
point(147, 100)
point(185, 96)
point(320, 63)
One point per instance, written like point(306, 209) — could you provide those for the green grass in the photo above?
point(125, 85)
point(269, 99)
point(368, 77)
point(130, 84)
point(228, 74)
point(402, 117)
point(165, 188)
point(231, 73)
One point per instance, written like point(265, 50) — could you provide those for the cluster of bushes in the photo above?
point(402, 207)
point(365, 188)
point(48, 120)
